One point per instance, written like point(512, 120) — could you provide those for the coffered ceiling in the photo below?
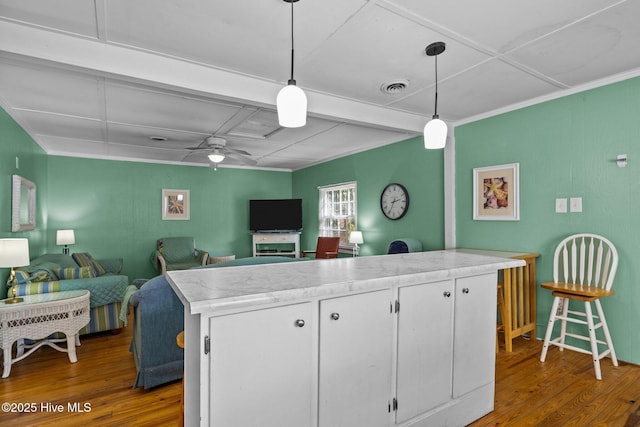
point(145, 80)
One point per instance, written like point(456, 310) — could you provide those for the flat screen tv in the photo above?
point(275, 215)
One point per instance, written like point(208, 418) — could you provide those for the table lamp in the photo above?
point(65, 237)
point(13, 253)
point(356, 238)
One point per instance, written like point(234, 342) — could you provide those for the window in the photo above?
point(338, 211)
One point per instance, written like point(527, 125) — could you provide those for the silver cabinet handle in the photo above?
point(299, 323)
point(446, 294)
point(335, 316)
point(465, 290)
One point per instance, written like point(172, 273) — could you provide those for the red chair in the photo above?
point(326, 248)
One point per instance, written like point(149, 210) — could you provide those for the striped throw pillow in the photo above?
point(75, 273)
point(21, 277)
point(84, 259)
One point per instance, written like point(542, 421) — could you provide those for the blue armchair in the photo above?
point(158, 318)
point(405, 245)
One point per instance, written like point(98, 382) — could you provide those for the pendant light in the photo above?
point(435, 131)
point(291, 101)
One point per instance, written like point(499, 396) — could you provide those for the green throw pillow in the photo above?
point(75, 273)
point(83, 259)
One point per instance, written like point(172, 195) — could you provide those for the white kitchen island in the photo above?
point(390, 340)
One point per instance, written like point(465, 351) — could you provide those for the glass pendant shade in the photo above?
point(292, 107)
point(435, 134)
point(435, 131)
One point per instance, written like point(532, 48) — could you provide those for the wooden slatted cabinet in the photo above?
point(518, 293)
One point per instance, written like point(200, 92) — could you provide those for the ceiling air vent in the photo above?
point(395, 87)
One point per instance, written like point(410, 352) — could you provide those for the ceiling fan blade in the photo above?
point(240, 152)
point(193, 156)
point(242, 159)
point(197, 148)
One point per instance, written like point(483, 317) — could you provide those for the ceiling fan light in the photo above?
point(216, 157)
point(435, 134)
point(292, 107)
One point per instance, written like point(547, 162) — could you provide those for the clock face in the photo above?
point(394, 201)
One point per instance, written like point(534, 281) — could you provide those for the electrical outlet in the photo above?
point(575, 204)
point(561, 205)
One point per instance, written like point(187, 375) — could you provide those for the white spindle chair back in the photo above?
point(585, 259)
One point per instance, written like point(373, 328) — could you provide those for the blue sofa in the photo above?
point(107, 286)
point(158, 319)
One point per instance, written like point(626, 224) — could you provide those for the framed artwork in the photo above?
point(175, 204)
point(496, 193)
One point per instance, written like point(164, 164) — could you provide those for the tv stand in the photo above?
point(276, 238)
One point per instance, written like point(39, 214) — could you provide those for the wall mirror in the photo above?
point(23, 204)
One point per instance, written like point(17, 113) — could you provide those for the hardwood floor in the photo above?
point(560, 392)
point(103, 377)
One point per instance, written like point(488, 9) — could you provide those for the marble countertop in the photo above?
point(210, 290)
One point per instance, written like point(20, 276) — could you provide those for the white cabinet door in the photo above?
point(474, 333)
point(261, 368)
point(355, 360)
point(425, 339)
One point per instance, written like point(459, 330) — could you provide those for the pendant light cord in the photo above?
point(435, 110)
point(292, 80)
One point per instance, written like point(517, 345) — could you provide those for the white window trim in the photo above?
point(344, 246)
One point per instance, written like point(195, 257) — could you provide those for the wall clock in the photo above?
point(394, 201)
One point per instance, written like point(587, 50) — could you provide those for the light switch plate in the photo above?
point(575, 204)
point(561, 205)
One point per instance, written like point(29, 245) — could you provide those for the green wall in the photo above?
point(566, 148)
point(32, 165)
point(115, 207)
point(408, 163)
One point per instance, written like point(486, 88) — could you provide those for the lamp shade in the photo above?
point(65, 237)
point(292, 107)
point(14, 252)
point(435, 134)
point(356, 237)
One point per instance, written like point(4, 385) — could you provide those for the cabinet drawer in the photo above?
point(274, 239)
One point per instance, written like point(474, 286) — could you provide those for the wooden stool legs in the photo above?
point(180, 342)
point(500, 325)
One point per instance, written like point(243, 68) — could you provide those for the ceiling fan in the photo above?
point(216, 149)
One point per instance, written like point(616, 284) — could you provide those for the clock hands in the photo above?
point(390, 208)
